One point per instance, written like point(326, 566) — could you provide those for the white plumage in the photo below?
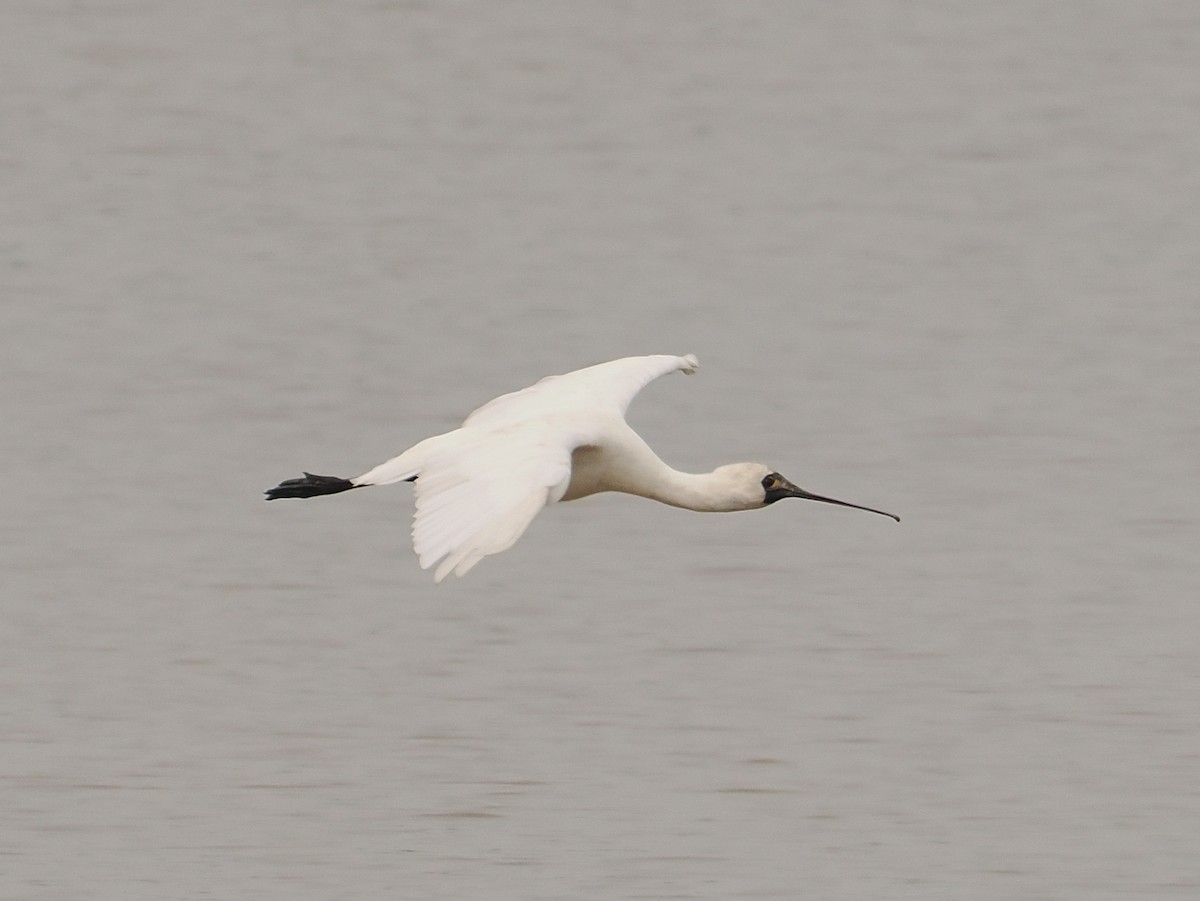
point(479, 487)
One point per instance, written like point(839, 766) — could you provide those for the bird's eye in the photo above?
point(771, 481)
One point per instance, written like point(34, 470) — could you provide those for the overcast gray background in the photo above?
point(939, 258)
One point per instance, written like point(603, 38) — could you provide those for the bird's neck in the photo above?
point(704, 492)
point(626, 463)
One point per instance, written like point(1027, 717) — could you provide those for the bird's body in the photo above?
point(479, 487)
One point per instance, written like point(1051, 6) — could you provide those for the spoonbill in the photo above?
point(479, 487)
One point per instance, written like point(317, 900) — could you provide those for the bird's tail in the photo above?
point(309, 486)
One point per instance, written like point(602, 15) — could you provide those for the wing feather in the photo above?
point(499, 533)
point(613, 385)
point(480, 492)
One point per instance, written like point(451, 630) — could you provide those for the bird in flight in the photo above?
point(479, 486)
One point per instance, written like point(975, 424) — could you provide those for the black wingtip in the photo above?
point(309, 486)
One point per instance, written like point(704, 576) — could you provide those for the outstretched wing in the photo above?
point(478, 494)
point(609, 385)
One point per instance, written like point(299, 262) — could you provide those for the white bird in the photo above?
point(479, 487)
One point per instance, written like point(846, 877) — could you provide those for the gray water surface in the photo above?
point(936, 258)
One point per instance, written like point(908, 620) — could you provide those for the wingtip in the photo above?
point(692, 364)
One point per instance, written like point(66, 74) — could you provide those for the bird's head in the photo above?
point(760, 486)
